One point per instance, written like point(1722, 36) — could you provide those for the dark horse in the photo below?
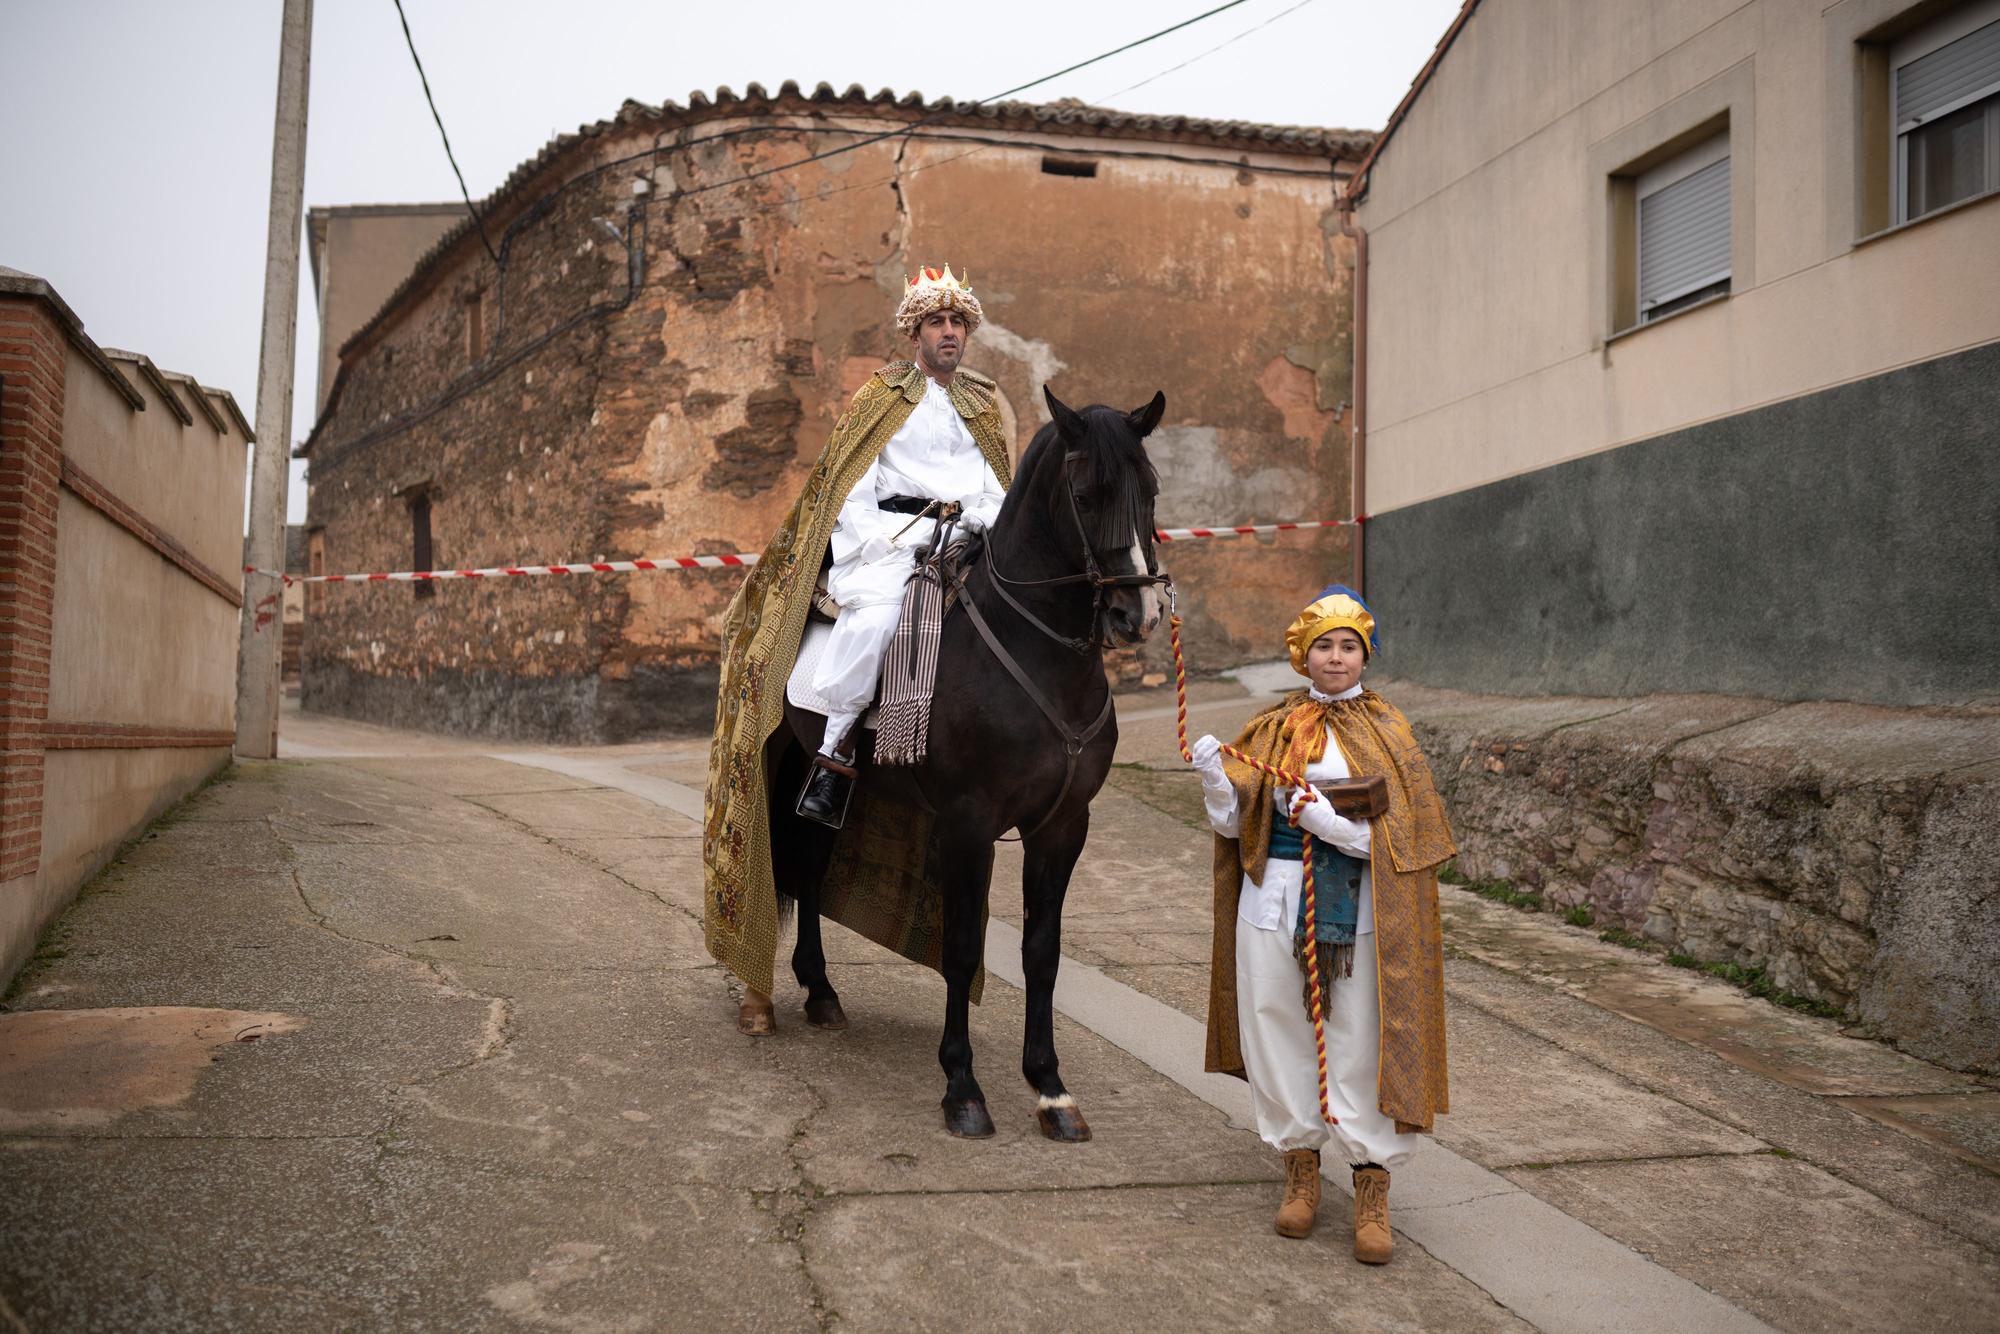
point(1068, 568)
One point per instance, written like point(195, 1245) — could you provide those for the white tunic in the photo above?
point(933, 456)
point(1274, 905)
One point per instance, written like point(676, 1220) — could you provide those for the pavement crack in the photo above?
point(1453, 1204)
point(449, 984)
point(7, 1313)
point(46, 1141)
point(1088, 1188)
point(1625, 1160)
point(494, 1036)
point(573, 854)
point(797, 1203)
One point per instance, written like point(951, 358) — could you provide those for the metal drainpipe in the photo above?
point(1357, 428)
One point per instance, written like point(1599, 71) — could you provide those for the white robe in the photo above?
point(1275, 1032)
point(874, 550)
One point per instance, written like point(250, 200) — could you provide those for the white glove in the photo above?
point(1208, 762)
point(1318, 818)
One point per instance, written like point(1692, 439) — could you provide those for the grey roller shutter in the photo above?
point(1684, 235)
point(1948, 77)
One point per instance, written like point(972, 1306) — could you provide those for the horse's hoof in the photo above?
point(967, 1118)
point(755, 1018)
point(1062, 1122)
point(825, 1012)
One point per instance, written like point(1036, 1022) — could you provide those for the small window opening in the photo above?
point(1068, 166)
point(420, 542)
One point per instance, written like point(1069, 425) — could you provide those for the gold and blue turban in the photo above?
point(1337, 607)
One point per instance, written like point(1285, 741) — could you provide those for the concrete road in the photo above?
point(405, 1032)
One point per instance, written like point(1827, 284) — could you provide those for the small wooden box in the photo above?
point(1359, 798)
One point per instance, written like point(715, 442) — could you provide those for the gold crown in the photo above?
point(933, 290)
point(941, 280)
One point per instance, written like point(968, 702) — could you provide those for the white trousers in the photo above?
point(851, 666)
point(1277, 1041)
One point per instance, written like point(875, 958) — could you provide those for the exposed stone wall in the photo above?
point(1846, 849)
point(686, 421)
point(511, 472)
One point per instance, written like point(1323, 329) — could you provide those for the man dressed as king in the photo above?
point(921, 442)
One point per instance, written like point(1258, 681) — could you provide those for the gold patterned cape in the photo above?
point(879, 883)
point(1407, 844)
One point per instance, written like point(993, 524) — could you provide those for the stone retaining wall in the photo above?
point(1848, 850)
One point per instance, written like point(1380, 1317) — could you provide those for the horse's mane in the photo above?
point(1117, 469)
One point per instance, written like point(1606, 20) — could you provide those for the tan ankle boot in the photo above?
point(1372, 1238)
point(1301, 1206)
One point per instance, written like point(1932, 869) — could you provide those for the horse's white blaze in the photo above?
point(1045, 1102)
point(1149, 598)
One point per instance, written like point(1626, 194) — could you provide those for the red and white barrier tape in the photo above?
point(741, 560)
point(1256, 529)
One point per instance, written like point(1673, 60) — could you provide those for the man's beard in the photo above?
point(936, 360)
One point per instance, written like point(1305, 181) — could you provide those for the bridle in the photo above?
point(1091, 574)
point(1074, 739)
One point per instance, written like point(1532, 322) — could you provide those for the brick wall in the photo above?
point(121, 495)
point(31, 406)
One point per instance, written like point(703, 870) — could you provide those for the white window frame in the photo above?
point(1914, 46)
point(1674, 170)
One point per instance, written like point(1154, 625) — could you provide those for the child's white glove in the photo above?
point(1207, 754)
point(1318, 818)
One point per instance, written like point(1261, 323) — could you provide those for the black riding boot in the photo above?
point(829, 788)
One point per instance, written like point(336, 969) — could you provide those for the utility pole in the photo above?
point(257, 665)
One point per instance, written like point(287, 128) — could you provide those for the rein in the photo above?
point(1074, 739)
point(1090, 574)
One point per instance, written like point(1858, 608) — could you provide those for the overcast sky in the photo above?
point(136, 168)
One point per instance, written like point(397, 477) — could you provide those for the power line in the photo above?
point(1259, 27)
point(925, 119)
point(450, 157)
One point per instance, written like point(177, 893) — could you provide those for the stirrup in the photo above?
point(843, 785)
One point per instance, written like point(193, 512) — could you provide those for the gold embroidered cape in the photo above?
point(879, 883)
point(1407, 844)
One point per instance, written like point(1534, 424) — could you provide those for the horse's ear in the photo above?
point(1067, 422)
point(1143, 420)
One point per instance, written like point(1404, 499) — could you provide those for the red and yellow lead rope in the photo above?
point(1298, 785)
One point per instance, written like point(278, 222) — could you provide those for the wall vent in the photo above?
point(1068, 166)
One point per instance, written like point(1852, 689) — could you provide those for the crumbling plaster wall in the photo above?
point(687, 421)
point(1225, 287)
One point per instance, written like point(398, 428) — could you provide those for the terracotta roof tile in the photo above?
point(1065, 116)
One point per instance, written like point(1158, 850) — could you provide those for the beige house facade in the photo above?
point(359, 253)
point(121, 525)
point(1682, 350)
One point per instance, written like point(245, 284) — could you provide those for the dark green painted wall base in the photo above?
point(1845, 545)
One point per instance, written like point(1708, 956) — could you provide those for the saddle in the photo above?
point(824, 611)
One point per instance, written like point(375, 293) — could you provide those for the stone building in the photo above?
point(1681, 349)
point(682, 306)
